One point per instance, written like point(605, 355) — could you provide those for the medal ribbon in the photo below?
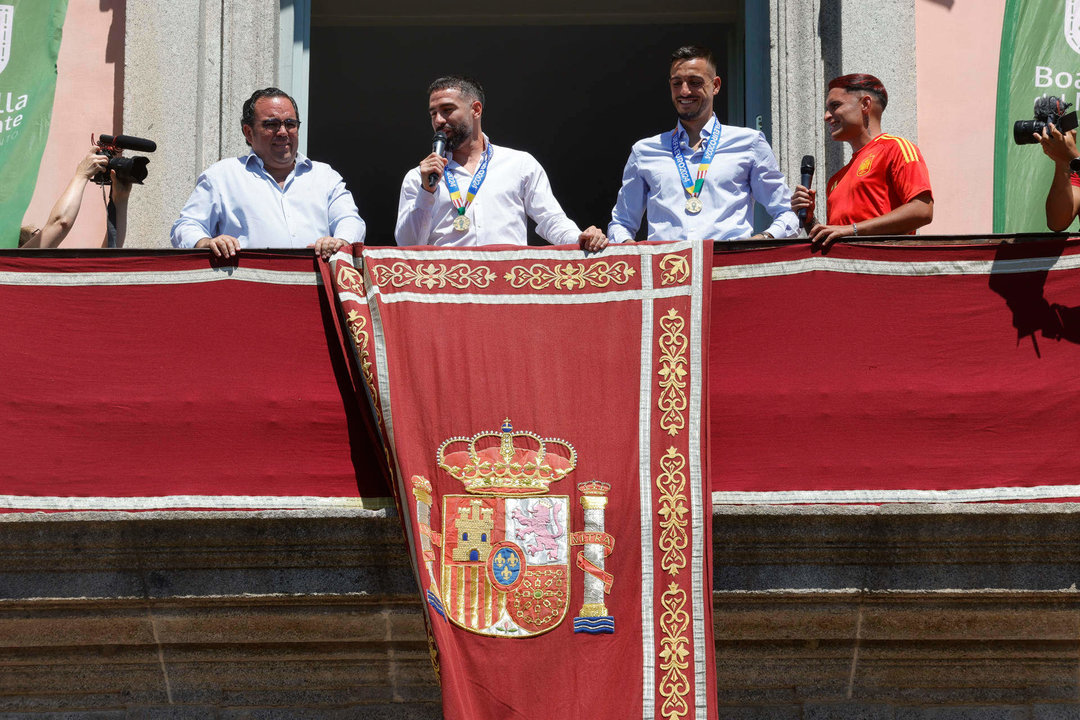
point(474, 186)
point(693, 189)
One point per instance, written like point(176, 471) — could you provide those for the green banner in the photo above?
point(29, 45)
point(1040, 56)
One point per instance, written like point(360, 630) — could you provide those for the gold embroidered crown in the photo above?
point(507, 462)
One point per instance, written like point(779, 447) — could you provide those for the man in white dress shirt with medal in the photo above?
point(700, 180)
point(483, 192)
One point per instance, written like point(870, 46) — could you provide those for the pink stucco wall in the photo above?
point(956, 54)
point(89, 97)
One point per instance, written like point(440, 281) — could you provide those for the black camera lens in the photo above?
point(1023, 130)
point(130, 169)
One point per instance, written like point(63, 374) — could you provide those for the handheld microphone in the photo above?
point(807, 171)
point(128, 142)
point(438, 146)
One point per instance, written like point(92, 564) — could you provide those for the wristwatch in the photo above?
point(1074, 165)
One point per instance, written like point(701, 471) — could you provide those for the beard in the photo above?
point(691, 113)
point(457, 134)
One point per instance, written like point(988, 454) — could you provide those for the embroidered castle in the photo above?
point(474, 525)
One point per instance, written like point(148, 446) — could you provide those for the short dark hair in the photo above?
point(861, 82)
point(465, 85)
point(248, 115)
point(692, 52)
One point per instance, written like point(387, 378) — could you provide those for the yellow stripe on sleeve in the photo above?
point(906, 148)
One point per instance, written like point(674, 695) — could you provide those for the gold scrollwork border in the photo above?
point(433, 648)
point(674, 652)
point(350, 279)
point(570, 276)
point(358, 329)
point(433, 276)
point(672, 511)
point(676, 270)
point(673, 359)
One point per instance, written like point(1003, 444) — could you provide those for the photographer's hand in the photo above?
point(1059, 148)
point(63, 214)
point(119, 196)
point(1063, 198)
point(120, 189)
point(92, 164)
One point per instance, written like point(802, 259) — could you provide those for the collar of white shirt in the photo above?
point(684, 137)
point(303, 164)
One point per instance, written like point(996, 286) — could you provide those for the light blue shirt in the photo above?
point(743, 170)
point(238, 197)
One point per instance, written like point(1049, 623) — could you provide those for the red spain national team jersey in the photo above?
point(886, 173)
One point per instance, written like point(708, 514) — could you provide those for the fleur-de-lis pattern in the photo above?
point(350, 279)
point(674, 653)
point(570, 276)
point(673, 510)
point(673, 359)
point(461, 276)
point(357, 324)
point(675, 270)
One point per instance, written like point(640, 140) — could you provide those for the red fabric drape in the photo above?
point(546, 419)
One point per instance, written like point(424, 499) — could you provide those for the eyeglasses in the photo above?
point(272, 126)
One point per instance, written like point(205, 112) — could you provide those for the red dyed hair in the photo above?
point(861, 82)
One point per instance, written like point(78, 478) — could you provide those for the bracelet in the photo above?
point(854, 229)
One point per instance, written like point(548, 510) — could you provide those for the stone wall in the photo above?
point(814, 41)
point(902, 612)
point(186, 64)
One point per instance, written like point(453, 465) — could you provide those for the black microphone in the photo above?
point(128, 142)
point(807, 171)
point(438, 146)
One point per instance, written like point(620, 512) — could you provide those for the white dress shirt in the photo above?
point(238, 197)
point(515, 186)
point(743, 170)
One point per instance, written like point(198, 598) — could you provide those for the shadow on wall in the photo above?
point(114, 55)
point(830, 30)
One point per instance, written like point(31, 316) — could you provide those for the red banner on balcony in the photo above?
point(166, 381)
point(896, 374)
point(143, 381)
point(544, 417)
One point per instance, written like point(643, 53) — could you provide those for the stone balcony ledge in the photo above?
point(823, 611)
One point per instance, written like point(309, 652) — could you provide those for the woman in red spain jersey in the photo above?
point(885, 189)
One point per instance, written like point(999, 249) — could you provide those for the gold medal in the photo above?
point(693, 205)
point(461, 223)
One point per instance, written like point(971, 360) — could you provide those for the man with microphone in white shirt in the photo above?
point(483, 192)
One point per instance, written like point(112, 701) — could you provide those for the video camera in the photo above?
point(1047, 110)
point(128, 169)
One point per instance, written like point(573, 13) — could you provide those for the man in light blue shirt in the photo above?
point(273, 197)
point(702, 184)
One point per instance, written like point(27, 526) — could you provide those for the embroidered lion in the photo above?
point(542, 522)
